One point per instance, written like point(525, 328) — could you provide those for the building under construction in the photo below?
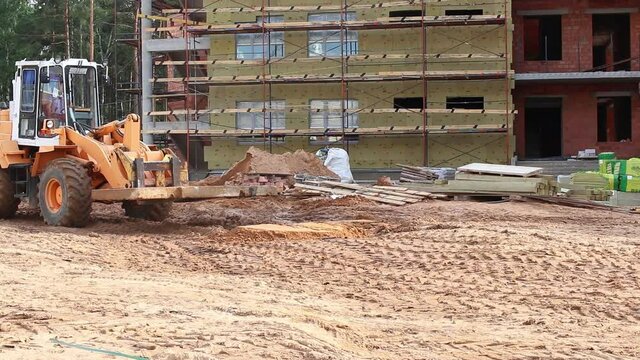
point(577, 73)
point(417, 82)
point(414, 82)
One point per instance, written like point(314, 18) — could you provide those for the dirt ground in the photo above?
point(434, 280)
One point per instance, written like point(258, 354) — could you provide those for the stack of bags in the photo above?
point(622, 175)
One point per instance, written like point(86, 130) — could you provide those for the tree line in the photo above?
point(35, 30)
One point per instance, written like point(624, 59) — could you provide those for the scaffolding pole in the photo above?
point(146, 70)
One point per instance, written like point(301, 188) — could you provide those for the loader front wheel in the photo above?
point(8, 202)
point(64, 194)
point(150, 210)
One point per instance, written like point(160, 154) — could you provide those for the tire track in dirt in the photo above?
point(463, 280)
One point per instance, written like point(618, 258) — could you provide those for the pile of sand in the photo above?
point(257, 161)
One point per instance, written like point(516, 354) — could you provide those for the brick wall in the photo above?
point(577, 33)
point(579, 117)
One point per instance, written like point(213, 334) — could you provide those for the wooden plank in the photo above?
point(316, 59)
point(226, 191)
point(387, 196)
point(380, 23)
point(442, 191)
point(500, 187)
point(182, 192)
point(148, 193)
point(351, 186)
point(303, 8)
point(408, 191)
point(408, 180)
point(414, 176)
point(392, 188)
point(371, 190)
point(414, 168)
point(391, 130)
point(306, 109)
point(336, 77)
point(510, 170)
point(349, 192)
point(496, 178)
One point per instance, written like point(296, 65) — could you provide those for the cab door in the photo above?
point(28, 101)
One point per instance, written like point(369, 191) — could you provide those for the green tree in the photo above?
point(17, 41)
point(35, 30)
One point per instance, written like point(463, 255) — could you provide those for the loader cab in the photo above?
point(52, 94)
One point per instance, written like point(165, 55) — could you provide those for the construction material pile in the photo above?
point(502, 180)
point(493, 180)
point(261, 168)
point(587, 186)
point(484, 180)
point(424, 175)
point(415, 174)
point(623, 175)
point(391, 195)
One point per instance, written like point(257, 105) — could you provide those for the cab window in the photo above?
point(52, 104)
point(82, 97)
point(28, 97)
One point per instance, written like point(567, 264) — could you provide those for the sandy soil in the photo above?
point(356, 280)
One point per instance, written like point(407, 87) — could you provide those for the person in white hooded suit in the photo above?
point(337, 160)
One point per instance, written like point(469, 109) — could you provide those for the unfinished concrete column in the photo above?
point(147, 71)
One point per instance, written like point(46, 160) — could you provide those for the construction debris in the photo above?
point(390, 195)
point(262, 168)
point(384, 181)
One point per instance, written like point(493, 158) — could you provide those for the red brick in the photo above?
point(579, 122)
point(576, 34)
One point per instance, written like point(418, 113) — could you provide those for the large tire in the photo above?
point(8, 202)
point(149, 210)
point(64, 194)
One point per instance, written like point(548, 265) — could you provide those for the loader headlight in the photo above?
point(49, 124)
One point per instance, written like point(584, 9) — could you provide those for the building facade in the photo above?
point(292, 74)
point(350, 110)
point(577, 69)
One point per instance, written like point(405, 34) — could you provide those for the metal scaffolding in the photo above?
point(160, 30)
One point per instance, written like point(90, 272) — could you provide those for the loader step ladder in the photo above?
point(21, 178)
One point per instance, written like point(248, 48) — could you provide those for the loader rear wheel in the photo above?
point(8, 202)
point(64, 194)
point(152, 211)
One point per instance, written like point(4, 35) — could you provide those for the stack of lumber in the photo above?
point(495, 180)
point(503, 179)
point(590, 180)
point(586, 186)
point(391, 195)
point(588, 194)
point(416, 174)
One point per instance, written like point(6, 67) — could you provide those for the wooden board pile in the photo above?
point(391, 195)
point(587, 186)
point(503, 180)
point(416, 175)
point(589, 180)
point(495, 180)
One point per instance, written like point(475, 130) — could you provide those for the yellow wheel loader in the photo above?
point(55, 153)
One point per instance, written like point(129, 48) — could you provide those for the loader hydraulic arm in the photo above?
point(131, 138)
point(106, 160)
